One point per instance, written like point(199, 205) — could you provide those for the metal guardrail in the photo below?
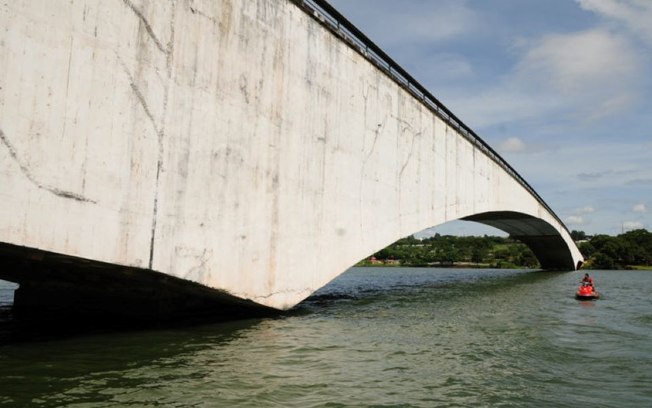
point(335, 22)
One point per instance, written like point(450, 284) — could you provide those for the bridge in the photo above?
point(168, 157)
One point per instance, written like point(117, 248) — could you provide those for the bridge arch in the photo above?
point(250, 147)
point(553, 249)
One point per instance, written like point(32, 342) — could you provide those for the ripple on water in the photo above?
point(389, 337)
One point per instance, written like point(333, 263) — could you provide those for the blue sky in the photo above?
point(562, 89)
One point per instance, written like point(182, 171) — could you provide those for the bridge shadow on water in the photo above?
point(56, 295)
point(357, 288)
point(19, 330)
point(60, 324)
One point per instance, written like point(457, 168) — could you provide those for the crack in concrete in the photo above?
point(28, 174)
point(200, 269)
point(148, 27)
point(283, 292)
point(377, 131)
point(414, 137)
point(140, 97)
point(168, 51)
point(373, 143)
point(159, 135)
point(198, 12)
point(65, 107)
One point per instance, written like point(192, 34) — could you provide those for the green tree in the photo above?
point(587, 249)
point(578, 235)
point(526, 258)
point(479, 254)
point(603, 261)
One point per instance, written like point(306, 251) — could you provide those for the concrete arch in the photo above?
point(553, 249)
point(248, 147)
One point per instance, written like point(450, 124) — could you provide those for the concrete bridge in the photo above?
point(158, 157)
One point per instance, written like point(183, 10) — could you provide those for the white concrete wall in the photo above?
point(234, 143)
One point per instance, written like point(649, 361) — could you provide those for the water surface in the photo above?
point(373, 337)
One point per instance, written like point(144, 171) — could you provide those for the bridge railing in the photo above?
point(329, 17)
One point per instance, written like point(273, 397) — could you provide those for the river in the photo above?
point(373, 337)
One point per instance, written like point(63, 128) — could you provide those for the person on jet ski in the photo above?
point(588, 280)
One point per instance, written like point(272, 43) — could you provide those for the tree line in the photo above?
point(627, 250)
point(624, 251)
point(447, 250)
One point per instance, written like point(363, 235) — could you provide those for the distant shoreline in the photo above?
point(470, 265)
point(455, 265)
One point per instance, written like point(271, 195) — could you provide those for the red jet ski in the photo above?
point(586, 291)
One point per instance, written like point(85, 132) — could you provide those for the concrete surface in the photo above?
point(236, 144)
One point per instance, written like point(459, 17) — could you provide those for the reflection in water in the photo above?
point(587, 304)
point(386, 336)
point(109, 365)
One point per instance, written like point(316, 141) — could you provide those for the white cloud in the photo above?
point(512, 145)
point(578, 61)
point(614, 104)
point(633, 15)
point(575, 220)
point(632, 225)
point(585, 210)
point(592, 72)
point(639, 208)
point(577, 217)
point(585, 76)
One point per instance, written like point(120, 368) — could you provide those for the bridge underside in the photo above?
point(60, 288)
point(56, 289)
point(542, 238)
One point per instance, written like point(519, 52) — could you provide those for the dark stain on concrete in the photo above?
point(28, 173)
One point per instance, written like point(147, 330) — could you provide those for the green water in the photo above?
point(373, 337)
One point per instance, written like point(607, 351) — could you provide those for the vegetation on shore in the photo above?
point(452, 251)
point(631, 250)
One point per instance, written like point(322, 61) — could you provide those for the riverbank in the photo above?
point(470, 265)
point(639, 267)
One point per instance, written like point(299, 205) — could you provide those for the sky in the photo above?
point(562, 89)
